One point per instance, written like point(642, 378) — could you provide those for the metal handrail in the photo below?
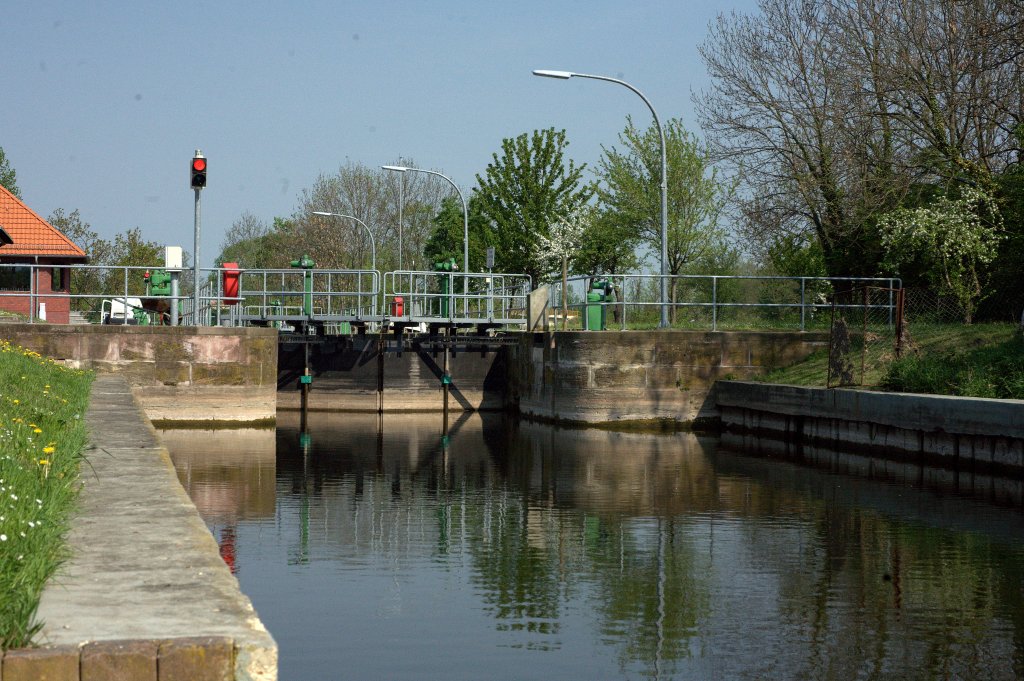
point(711, 284)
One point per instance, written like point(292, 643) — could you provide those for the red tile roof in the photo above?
point(32, 235)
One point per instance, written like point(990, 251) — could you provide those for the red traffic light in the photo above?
point(198, 172)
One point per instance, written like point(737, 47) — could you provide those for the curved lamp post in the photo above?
point(565, 75)
point(373, 244)
point(465, 215)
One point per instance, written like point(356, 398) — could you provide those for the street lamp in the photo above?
point(373, 244)
point(565, 75)
point(465, 215)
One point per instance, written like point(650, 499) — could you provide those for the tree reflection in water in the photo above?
point(601, 553)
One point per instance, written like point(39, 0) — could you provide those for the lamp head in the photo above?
point(320, 212)
point(397, 169)
point(564, 75)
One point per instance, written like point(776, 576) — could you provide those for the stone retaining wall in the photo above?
point(177, 373)
point(181, 659)
point(949, 431)
point(642, 376)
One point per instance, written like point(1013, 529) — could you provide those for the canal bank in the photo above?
point(146, 595)
point(962, 433)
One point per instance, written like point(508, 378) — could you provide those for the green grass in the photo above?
point(42, 435)
point(981, 360)
point(991, 366)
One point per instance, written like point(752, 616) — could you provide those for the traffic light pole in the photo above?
point(195, 263)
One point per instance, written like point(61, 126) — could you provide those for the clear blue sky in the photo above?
point(104, 102)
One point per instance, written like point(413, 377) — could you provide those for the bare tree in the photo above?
point(371, 195)
point(832, 110)
point(781, 112)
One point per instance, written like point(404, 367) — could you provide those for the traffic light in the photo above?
point(198, 172)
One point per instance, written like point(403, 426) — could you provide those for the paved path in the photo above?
point(144, 565)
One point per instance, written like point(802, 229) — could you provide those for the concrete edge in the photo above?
point(926, 413)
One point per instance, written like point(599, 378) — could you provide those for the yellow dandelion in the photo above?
point(44, 462)
point(37, 430)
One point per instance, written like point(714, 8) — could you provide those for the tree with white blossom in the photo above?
point(950, 239)
point(561, 244)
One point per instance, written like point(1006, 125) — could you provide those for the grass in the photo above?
point(981, 360)
point(42, 435)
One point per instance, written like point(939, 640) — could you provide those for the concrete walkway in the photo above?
point(145, 569)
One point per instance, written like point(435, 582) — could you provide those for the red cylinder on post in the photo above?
point(231, 273)
point(398, 306)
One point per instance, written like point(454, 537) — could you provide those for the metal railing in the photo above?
point(229, 297)
point(456, 297)
point(712, 301)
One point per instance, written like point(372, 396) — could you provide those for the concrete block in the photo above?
point(1008, 453)
point(52, 663)
point(196, 659)
point(941, 445)
point(119, 661)
point(620, 377)
point(687, 351)
point(572, 378)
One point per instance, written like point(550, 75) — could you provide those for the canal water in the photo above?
point(377, 549)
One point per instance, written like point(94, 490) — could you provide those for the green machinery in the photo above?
point(596, 318)
point(158, 283)
point(444, 281)
point(307, 264)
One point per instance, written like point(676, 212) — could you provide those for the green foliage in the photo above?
point(8, 177)
point(42, 436)
point(1006, 284)
point(524, 191)
point(980, 371)
point(446, 238)
point(247, 243)
point(630, 191)
point(949, 240)
point(796, 256)
point(608, 246)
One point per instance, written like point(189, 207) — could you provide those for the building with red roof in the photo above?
point(32, 253)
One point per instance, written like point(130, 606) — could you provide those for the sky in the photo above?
point(105, 102)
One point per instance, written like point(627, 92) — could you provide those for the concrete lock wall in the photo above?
point(948, 431)
point(642, 376)
point(176, 373)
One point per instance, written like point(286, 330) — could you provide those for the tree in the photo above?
point(83, 281)
point(248, 242)
point(8, 178)
point(560, 246)
point(446, 239)
point(832, 111)
point(951, 239)
point(786, 113)
point(630, 191)
point(524, 191)
point(608, 246)
point(372, 195)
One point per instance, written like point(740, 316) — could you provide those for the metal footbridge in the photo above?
point(321, 301)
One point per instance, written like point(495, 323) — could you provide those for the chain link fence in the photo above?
point(866, 333)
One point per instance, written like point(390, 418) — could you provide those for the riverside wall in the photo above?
point(145, 595)
point(952, 432)
point(642, 377)
point(176, 373)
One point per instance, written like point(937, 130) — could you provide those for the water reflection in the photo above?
point(379, 549)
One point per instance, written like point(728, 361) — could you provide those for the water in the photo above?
point(375, 550)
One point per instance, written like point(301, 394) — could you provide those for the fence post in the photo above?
point(803, 303)
point(714, 303)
